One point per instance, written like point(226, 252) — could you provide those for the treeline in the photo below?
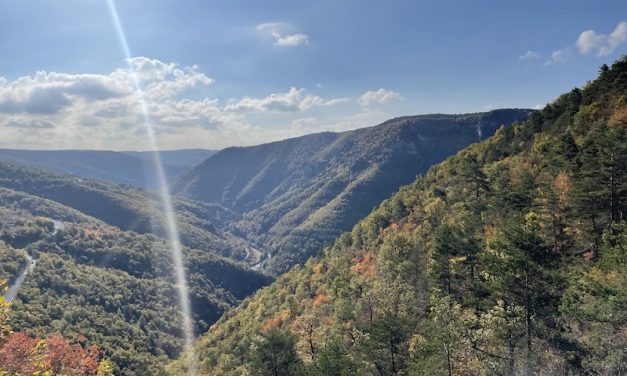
point(508, 258)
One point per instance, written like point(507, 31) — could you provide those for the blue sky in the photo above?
point(221, 73)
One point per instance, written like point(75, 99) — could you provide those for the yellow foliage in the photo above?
point(618, 117)
point(318, 268)
point(604, 277)
point(562, 186)
point(457, 260)
point(433, 206)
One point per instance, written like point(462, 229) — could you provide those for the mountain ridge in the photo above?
point(132, 168)
point(298, 194)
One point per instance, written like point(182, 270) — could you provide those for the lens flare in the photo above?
point(166, 199)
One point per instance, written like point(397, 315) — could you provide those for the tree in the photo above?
point(520, 273)
point(601, 189)
point(594, 306)
point(387, 343)
point(445, 316)
point(333, 360)
point(445, 248)
point(276, 354)
point(470, 170)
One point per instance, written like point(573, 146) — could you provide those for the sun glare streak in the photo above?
point(166, 199)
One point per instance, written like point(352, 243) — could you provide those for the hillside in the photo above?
point(507, 258)
point(132, 168)
point(202, 226)
point(116, 288)
point(298, 194)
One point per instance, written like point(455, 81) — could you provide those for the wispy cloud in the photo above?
point(379, 96)
point(601, 44)
point(280, 33)
point(557, 56)
point(529, 55)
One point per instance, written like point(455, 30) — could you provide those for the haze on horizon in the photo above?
point(243, 73)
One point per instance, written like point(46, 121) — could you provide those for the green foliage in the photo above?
point(113, 287)
point(275, 355)
point(507, 258)
point(299, 194)
point(333, 360)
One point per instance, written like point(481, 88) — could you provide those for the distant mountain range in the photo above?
point(298, 194)
point(130, 167)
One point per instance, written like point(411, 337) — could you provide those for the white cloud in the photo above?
point(379, 96)
point(294, 100)
point(601, 44)
point(291, 40)
point(557, 56)
point(278, 32)
point(48, 93)
point(102, 110)
point(538, 106)
point(51, 110)
point(529, 55)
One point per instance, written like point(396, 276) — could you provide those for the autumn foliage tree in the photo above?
point(23, 354)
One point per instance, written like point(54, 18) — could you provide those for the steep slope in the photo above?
point(115, 288)
point(126, 168)
point(508, 258)
point(298, 194)
point(130, 208)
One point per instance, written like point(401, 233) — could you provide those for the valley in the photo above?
point(327, 188)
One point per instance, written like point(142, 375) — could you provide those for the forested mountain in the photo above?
point(133, 168)
point(201, 225)
point(298, 194)
point(115, 288)
point(508, 258)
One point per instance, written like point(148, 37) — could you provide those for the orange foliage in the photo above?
point(319, 299)
point(365, 265)
point(276, 321)
point(24, 355)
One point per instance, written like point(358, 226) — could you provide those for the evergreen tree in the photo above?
point(276, 355)
point(521, 273)
point(387, 343)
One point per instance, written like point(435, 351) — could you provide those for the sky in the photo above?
point(215, 74)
